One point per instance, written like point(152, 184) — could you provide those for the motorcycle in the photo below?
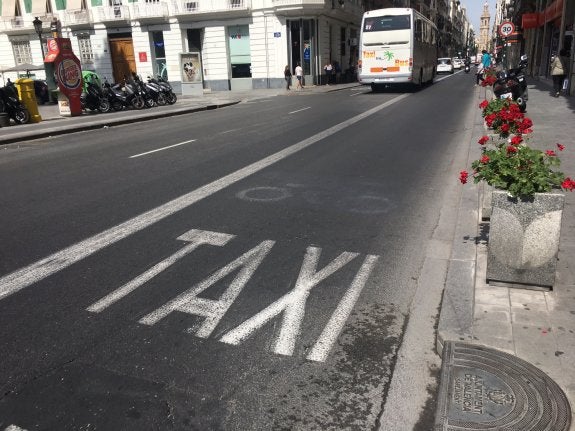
point(117, 99)
point(511, 84)
point(11, 105)
point(152, 93)
point(169, 94)
point(127, 93)
point(93, 98)
point(467, 66)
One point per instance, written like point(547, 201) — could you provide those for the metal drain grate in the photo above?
point(485, 389)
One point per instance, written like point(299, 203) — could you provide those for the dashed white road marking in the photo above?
point(161, 149)
point(43, 268)
point(299, 110)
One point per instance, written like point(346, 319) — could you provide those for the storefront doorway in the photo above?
point(303, 48)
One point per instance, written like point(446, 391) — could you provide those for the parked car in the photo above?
point(444, 65)
point(457, 63)
point(41, 91)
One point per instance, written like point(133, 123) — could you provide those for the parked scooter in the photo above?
point(151, 93)
point(93, 98)
point(126, 93)
point(11, 105)
point(511, 84)
point(169, 94)
point(117, 99)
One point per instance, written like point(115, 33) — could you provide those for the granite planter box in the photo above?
point(524, 240)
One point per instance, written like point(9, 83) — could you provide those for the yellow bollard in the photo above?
point(26, 93)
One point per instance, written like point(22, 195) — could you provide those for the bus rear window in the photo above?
point(386, 23)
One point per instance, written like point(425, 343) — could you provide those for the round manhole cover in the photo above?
point(485, 389)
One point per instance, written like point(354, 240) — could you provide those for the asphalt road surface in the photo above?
point(247, 268)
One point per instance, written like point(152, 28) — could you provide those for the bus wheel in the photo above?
point(375, 88)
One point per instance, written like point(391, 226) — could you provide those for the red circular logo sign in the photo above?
point(69, 74)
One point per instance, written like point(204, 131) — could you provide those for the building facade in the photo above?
point(542, 29)
point(222, 44)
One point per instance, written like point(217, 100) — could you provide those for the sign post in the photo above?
point(506, 29)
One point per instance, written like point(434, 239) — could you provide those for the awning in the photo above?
point(8, 8)
point(38, 7)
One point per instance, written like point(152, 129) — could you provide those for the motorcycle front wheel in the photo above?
point(161, 99)
point(21, 116)
point(117, 105)
point(172, 98)
point(105, 106)
point(138, 102)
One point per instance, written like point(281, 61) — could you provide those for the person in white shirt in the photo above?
point(299, 76)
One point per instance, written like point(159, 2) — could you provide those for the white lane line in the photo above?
point(62, 259)
point(161, 149)
point(359, 92)
point(299, 110)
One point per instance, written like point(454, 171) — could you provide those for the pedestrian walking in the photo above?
point(287, 74)
point(299, 76)
point(485, 64)
point(328, 69)
point(559, 71)
point(337, 70)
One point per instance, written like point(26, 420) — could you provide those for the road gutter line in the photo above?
point(62, 259)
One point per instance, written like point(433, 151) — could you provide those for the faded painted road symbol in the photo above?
point(290, 308)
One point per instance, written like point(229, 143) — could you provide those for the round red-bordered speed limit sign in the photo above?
point(506, 28)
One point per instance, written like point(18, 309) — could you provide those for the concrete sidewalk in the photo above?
point(536, 326)
point(53, 123)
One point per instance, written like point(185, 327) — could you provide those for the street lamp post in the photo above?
point(38, 27)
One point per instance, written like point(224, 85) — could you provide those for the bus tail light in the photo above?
point(359, 64)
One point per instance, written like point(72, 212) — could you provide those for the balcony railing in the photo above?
point(77, 17)
point(206, 6)
point(112, 13)
point(150, 10)
point(298, 3)
point(24, 22)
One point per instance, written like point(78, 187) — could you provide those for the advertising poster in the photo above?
point(191, 67)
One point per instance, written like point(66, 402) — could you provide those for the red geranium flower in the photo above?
point(485, 159)
point(516, 140)
point(550, 153)
point(463, 177)
point(561, 147)
point(568, 184)
point(483, 140)
point(484, 104)
point(511, 149)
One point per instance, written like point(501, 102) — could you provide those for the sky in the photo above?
point(475, 9)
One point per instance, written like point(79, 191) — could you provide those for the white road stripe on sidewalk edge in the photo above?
point(43, 268)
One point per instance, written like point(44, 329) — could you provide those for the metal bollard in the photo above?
point(25, 88)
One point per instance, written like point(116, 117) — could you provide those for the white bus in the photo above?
point(397, 46)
